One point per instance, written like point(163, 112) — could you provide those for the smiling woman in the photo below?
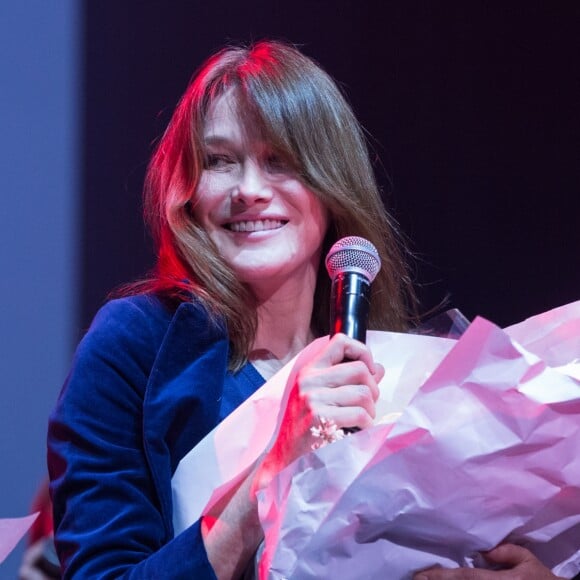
point(270, 109)
point(262, 169)
point(265, 223)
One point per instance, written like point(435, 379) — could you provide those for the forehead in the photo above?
point(226, 118)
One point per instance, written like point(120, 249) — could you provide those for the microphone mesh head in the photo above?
point(353, 254)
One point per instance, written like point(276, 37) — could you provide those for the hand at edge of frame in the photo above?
point(520, 564)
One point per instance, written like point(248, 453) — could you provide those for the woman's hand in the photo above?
point(322, 384)
point(520, 564)
point(336, 379)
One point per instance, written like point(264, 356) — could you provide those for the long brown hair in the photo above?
point(299, 109)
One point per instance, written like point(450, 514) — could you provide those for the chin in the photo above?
point(257, 274)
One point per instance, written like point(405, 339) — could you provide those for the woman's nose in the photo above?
point(253, 185)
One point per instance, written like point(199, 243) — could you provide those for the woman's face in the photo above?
point(267, 225)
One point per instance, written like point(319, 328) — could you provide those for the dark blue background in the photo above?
point(473, 108)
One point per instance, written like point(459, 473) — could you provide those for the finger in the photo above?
point(345, 417)
point(457, 574)
point(344, 396)
point(509, 555)
point(342, 347)
point(358, 373)
point(345, 373)
point(378, 375)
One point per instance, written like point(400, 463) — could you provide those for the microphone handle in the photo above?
point(349, 305)
point(349, 309)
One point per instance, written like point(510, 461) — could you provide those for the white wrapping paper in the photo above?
point(485, 449)
point(224, 455)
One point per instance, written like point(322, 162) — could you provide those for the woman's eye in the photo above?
point(217, 161)
point(277, 163)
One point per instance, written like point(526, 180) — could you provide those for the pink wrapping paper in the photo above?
point(12, 530)
point(457, 468)
point(486, 449)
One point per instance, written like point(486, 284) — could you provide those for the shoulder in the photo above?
point(134, 347)
point(131, 315)
point(139, 323)
point(132, 334)
point(131, 326)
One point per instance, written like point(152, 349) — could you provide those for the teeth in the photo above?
point(255, 225)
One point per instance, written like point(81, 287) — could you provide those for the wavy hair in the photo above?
point(300, 111)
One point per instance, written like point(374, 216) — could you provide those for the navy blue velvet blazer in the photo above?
point(148, 382)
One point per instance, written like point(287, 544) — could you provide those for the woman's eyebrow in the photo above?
point(217, 140)
point(214, 139)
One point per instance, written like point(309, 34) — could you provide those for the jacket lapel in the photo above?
point(182, 398)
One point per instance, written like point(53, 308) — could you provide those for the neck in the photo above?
point(283, 326)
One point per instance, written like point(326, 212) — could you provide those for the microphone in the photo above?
point(352, 264)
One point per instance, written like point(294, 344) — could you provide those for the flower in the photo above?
point(326, 432)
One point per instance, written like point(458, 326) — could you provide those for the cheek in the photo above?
point(320, 216)
point(198, 210)
point(204, 201)
point(313, 209)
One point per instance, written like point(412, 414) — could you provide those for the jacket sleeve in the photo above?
point(109, 518)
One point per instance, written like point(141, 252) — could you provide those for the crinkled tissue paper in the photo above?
point(476, 443)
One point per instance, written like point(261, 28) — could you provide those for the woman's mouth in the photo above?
point(255, 225)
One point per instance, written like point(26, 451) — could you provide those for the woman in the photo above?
point(262, 168)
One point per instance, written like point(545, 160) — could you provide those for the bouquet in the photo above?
point(477, 442)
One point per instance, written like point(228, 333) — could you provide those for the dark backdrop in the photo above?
point(472, 108)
